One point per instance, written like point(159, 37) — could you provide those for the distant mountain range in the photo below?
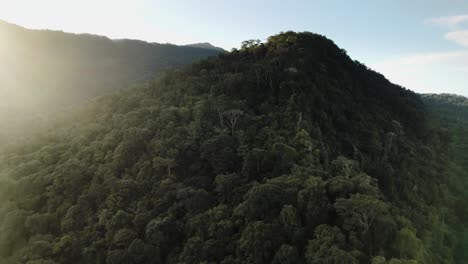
point(449, 107)
point(44, 71)
point(206, 45)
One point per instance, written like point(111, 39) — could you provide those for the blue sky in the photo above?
point(422, 45)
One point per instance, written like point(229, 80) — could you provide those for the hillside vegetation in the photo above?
point(452, 113)
point(281, 152)
point(45, 72)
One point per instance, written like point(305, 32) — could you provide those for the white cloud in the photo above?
point(435, 72)
point(460, 37)
point(449, 21)
point(450, 58)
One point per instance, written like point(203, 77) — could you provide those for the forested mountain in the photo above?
point(42, 71)
point(281, 152)
point(206, 45)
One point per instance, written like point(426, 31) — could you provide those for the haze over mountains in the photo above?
point(43, 72)
point(206, 45)
point(287, 151)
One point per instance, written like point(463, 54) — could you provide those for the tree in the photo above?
point(289, 217)
point(74, 219)
point(303, 143)
point(382, 260)
point(221, 153)
point(230, 118)
point(123, 238)
point(162, 233)
point(406, 244)
point(167, 163)
point(193, 251)
point(261, 202)
point(327, 247)
point(257, 242)
point(345, 166)
point(286, 254)
point(253, 161)
point(313, 203)
point(66, 248)
point(360, 211)
point(225, 185)
point(250, 43)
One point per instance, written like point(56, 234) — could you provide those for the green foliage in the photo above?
point(286, 254)
point(452, 113)
point(282, 152)
point(328, 247)
point(407, 244)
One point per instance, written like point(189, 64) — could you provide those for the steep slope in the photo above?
point(283, 152)
point(46, 71)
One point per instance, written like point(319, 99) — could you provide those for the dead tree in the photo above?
point(231, 117)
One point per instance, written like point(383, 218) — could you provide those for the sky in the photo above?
point(419, 44)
